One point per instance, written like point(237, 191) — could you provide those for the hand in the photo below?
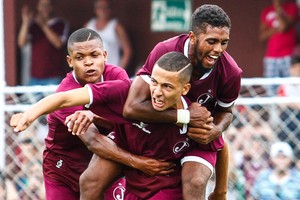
point(154, 167)
point(202, 135)
point(27, 14)
point(41, 21)
point(20, 122)
point(217, 196)
point(200, 117)
point(79, 122)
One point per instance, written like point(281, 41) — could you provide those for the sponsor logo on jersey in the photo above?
point(118, 192)
point(180, 146)
point(204, 98)
point(142, 126)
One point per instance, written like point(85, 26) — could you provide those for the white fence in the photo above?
point(259, 121)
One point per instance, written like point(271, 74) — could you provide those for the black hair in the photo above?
point(208, 14)
point(83, 35)
point(175, 62)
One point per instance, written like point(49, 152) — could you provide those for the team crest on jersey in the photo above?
point(180, 146)
point(142, 126)
point(118, 192)
point(204, 98)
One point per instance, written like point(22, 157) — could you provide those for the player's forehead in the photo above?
point(91, 45)
point(163, 76)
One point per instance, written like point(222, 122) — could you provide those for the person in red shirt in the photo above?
point(278, 31)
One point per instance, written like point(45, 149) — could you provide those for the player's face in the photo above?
point(87, 60)
point(166, 89)
point(207, 47)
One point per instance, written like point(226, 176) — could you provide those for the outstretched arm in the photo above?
point(53, 102)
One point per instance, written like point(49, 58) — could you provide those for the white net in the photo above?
point(258, 121)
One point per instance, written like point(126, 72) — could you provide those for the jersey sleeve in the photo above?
point(231, 84)
point(154, 55)
point(108, 99)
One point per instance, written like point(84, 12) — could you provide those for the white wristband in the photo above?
point(183, 116)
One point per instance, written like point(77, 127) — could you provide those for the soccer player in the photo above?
point(215, 85)
point(169, 81)
point(66, 156)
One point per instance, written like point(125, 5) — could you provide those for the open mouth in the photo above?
point(211, 59)
point(157, 103)
point(91, 72)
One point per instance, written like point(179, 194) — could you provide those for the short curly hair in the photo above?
point(208, 14)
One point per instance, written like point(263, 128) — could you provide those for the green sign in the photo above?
point(171, 15)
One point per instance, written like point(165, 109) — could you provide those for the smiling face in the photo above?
point(206, 47)
point(87, 60)
point(166, 88)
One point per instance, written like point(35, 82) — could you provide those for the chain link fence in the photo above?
point(258, 121)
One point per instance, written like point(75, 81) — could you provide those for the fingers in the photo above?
point(78, 123)
point(166, 172)
point(18, 122)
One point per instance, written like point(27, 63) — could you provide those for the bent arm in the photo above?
point(266, 32)
point(138, 105)
point(26, 20)
point(54, 39)
point(221, 120)
point(107, 149)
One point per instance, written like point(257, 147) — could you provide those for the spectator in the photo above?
point(290, 113)
point(292, 90)
point(47, 35)
point(278, 30)
point(281, 180)
point(113, 34)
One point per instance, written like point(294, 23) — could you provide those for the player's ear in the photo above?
point(186, 88)
point(192, 37)
point(105, 55)
point(69, 61)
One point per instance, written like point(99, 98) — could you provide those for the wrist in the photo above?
point(183, 116)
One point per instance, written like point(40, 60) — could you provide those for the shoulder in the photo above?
point(230, 65)
point(112, 72)
point(172, 44)
point(68, 83)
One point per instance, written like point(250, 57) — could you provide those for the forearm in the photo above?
point(57, 101)
point(52, 37)
point(23, 35)
point(104, 147)
point(222, 120)
point(221, 169)
point(285, 20)
point(266, 33)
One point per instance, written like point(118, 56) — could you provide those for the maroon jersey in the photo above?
point(219, 86)
point(47, 61)
point(164, 141)
point(66, 156)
